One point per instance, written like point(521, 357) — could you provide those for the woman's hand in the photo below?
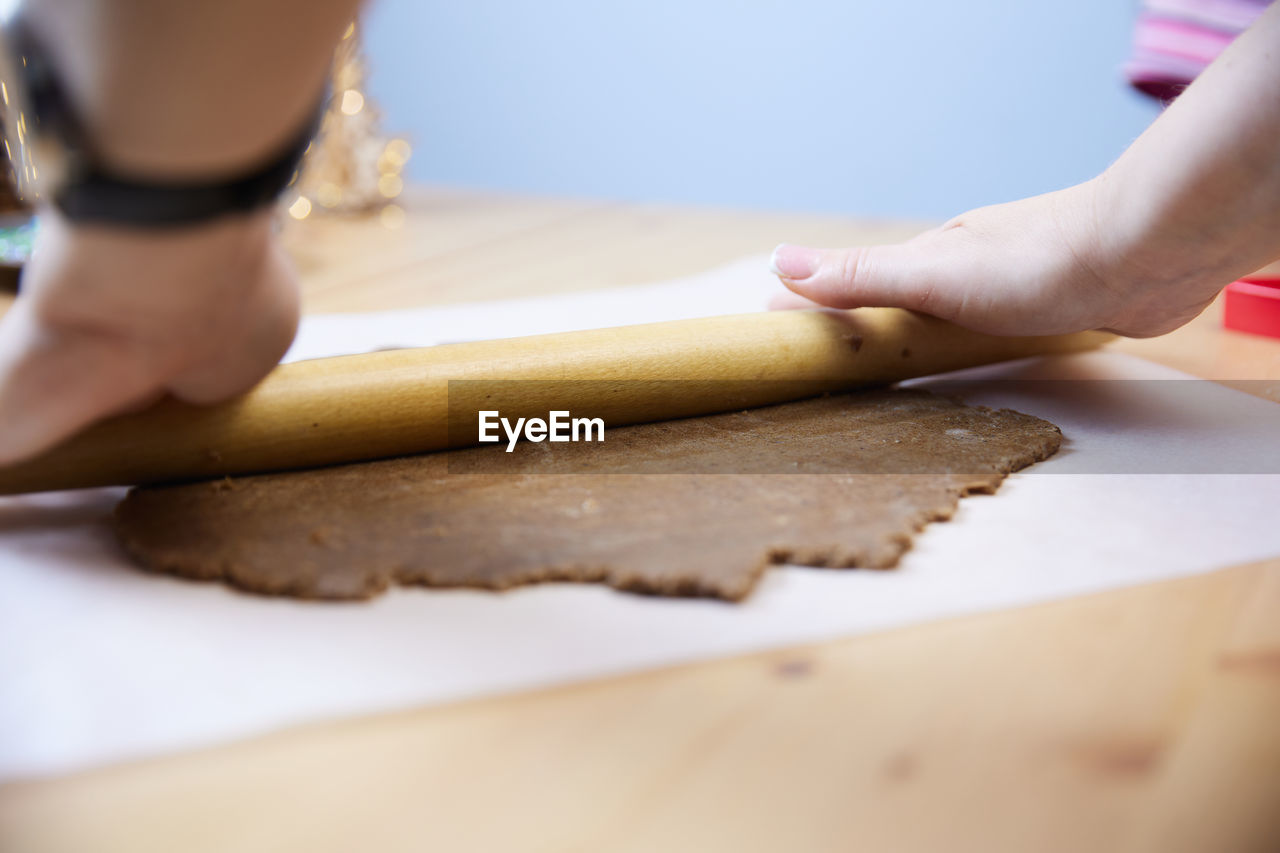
point(1038, 266)
point(111, 319)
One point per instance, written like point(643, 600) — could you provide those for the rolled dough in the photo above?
point(691, 507)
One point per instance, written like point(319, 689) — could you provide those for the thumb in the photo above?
point(890, 276)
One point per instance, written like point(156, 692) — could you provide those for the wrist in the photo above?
point(1144, 240)
point(140, 277)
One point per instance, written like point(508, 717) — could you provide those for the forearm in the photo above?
point(1203, 182)
point(186, 89)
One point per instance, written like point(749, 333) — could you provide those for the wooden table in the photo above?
point(1143, 719)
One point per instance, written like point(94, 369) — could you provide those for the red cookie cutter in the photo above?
point(1253, 305)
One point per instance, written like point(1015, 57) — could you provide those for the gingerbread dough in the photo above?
point(692, 507)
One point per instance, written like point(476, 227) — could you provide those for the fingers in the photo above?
point(898, 276)
point(73, 352)
point(53, 383)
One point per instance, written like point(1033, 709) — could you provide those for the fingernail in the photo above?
point(795, 262)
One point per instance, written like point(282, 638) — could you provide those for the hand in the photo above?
point(111, 319)
point(1043, 265)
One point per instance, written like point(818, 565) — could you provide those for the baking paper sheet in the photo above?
point(101, 663)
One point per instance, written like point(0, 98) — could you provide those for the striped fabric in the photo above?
point(1174, 40)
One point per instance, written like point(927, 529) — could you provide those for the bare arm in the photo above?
point(191, 87)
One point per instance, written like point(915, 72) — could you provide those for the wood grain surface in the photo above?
point(1141, 719)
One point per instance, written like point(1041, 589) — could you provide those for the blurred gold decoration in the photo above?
point(10, 200)
point(350, 167)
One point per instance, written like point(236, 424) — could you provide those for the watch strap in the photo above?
point(88, 191)
point(94, 194)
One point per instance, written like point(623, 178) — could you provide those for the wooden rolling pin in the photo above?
point(332, 410)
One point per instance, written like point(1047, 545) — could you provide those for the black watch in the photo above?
point(53, 161)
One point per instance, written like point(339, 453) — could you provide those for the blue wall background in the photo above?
point(916, 109)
